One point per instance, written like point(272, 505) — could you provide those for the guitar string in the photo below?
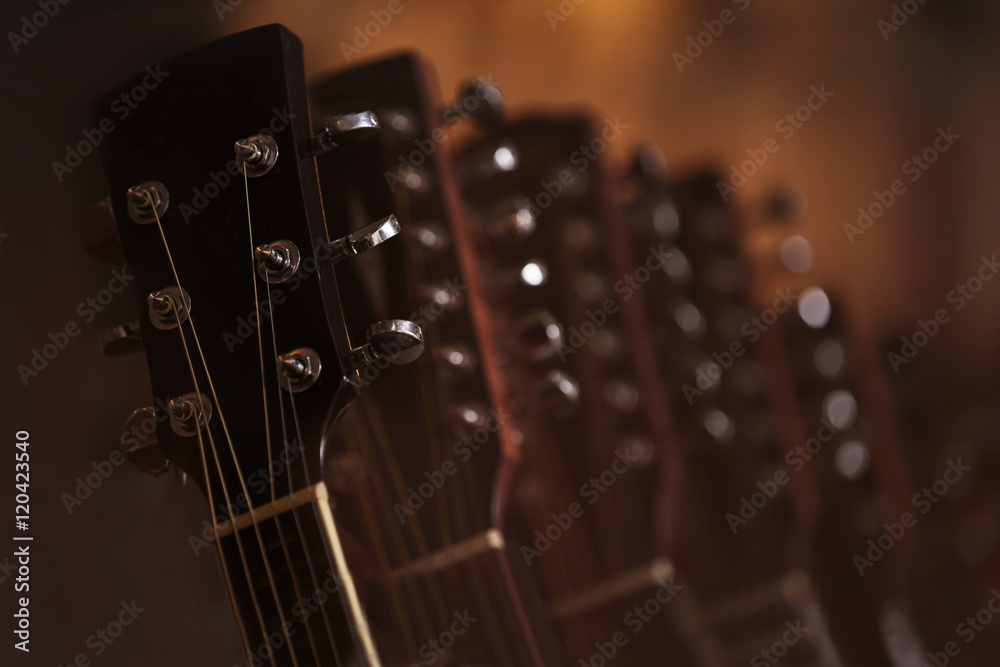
point(295, 510)
point(341, 590)
point(267, 418)
point(371, 527)
point(216, 539)
point(229, 441)
point(377, 433)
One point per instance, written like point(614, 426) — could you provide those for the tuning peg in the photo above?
point(796, 254)
point(510, 221)
point(121, 339)
point(556, 390)
point(539, 336)
point(338, 130)
point(396, 341)
point(364, 239)
point(100, 234)
point(479, 99)
point(648, 165)
point(140, 444)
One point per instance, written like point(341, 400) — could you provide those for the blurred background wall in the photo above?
point(891, 92)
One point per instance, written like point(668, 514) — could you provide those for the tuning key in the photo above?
point(395, 341)
point(338, 130)
point(121, 339)
point(364, 239)
point(479, 99)
point(556, 390)
point(649, 164)
point(539, 336)
point(140, 444)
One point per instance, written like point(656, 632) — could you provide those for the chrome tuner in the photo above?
point(256, 155)
point(649, 164)
point(364, 239)
point(555, 391)
point(396, 341)
point(479, 99)
point(277, 261)
point(140, 444)
point(539, 336)
point(299, 369)
point(189, 414)
point(338, 130)
point(511, 221)
point(168, 308)
point(147, 202)
point(121, 339)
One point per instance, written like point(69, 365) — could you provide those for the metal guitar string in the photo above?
point(267, 425)
point(232, 450)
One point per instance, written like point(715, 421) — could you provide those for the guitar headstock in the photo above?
point(579, 359)
point(429, 454)
point(213, 185)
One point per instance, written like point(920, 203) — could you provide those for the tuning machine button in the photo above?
point(140, 444)
point(648, 165)
point(395, 341)
point(479, 99)
point(510, 221)
point(121, 340)
point(169, 307)
point(364, 239)
point(100, 234)
point(556, 391)
point(539, 336)
point(338, 130)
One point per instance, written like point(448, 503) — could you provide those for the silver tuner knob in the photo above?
point(393, 341)
point(99, 234)
point(556, 391)
point(479, 99)
point(121, 340)
point(511, 221)
point(364, 239)
point(649, 164)
point(338, 130)
point(140, 444)
point(539, 336)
